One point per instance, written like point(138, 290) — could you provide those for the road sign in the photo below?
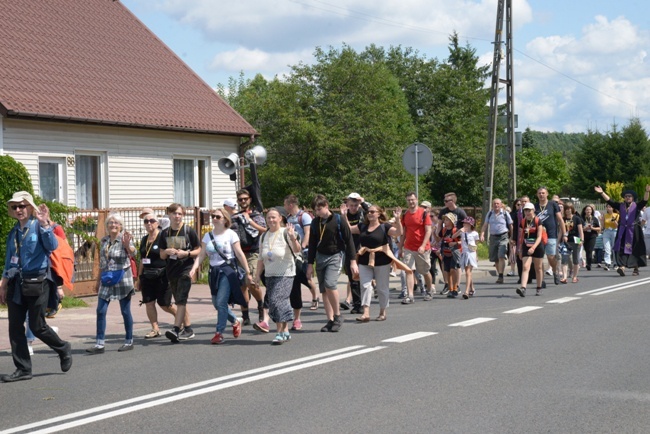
point(417, 160)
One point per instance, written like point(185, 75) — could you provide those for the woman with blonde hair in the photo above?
point(115, 281)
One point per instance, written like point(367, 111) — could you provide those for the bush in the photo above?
point(13, 177)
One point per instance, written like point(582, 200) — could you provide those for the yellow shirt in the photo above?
point(609, 224)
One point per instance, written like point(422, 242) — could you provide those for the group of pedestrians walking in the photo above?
point(269, 257)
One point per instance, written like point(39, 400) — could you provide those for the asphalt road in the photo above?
point(574, 360)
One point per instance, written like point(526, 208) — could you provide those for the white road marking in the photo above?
point(524, 309)
point(563, 300)
point(624, 287)
point(471, 322)
point(330, 356)
point(618, 285)
point(410, 337)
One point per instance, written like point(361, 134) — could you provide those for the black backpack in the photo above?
point(246, 240)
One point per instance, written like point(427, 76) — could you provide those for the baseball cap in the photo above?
point(230, 202)
point(529, 205)
point(145, 211)
point(425, 204)
point(355, 196)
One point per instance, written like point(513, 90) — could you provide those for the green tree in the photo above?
point(333, 127)
point(535, 169)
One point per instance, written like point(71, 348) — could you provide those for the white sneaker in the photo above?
point(29, 347)
point(549, 272)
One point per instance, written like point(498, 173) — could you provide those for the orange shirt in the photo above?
point(414, 228)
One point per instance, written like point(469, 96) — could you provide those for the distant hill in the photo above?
point(565, 143)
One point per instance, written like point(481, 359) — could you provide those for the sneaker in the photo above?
point(521, 291)
point(549, 271)
point(278, 339)
point(392, 274)
point(538, 291)
point(297, 325)
point(261, 326)
point(236, 329)
point(337, 323)
point(606, 267)
point(357, 310)
point(125, 347)
point(428, 297)
point(402, 294)
point(217, 339)
point(327, 327)
point(172, 335)
point(543, 284)
point(29, 347)
point(246, 322)
point(452, 294)
point(500, 279)
point(186, 333)
point(556, 278)
point(510, 273)
point(445, 290)
point(95, 350)
point(345, 305)
point(287, 336)
point(407, 300)
point(51, 313)
point(621, 271)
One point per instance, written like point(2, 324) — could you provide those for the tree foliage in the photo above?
point(535, 170)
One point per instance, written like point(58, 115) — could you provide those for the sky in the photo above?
point(578, 64)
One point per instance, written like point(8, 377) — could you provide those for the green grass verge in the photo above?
point(71, 302)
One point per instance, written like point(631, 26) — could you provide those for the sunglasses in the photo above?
point(216, 216)
point(21, 206)
point(243, 199)
point(149, 221)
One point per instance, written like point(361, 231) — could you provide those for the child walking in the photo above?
point(468, 260)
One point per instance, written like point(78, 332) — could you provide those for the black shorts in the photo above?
point(156, 290)
point(180, 288)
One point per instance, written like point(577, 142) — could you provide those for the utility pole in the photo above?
point(504, 10)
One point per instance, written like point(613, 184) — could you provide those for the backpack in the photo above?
point(300, 213)
point(540, 227)
point(246, 240)
point(62, 262)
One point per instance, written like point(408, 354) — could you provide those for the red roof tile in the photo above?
point(94, 61)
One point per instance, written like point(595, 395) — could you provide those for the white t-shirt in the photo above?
point(468, 241)
point(646, 216)
point(224, 243)
point(276, 254)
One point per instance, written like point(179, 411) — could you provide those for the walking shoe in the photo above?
point(345, 305)
point(51, 313)
point(538, 291)
point(402, 294)
point(521, 291)
point(327, 327)
point(543, 284)
point(246, 322)
point(261, 326)
point(357, 310)
point(337, 323)
point(556, 278)
point(16, 376)
point(278, 339)
point(152, 334)
point(172, 335)
point(606, 267)
point(549, 271)
point(236, 329)
point(621, 271)
point(95, 350)
point(66, 358)
point(452, 294)
point(445, 290)
point(186, 333)
point(217, 339)
point(392, 274)
point(287, 336)
point(297, 325)
point(500, 279)
point(427, 297)
point(407, 300)
point(510, 273)
point(125, 347)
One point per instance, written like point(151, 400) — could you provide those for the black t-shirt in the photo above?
point(354, 220)
point(572, 226)
point(594, 224)
point(547, 217)
point(184, 238)
point(151, 252)
point(376, 238)
point(326, 238)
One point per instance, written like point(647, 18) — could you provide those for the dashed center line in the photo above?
point(471, 322)
point(410, 337)
point(523, 309)
point(563, 300)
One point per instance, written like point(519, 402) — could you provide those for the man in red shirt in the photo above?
point(414, 245)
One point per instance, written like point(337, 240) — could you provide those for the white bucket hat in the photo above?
point(21, 196)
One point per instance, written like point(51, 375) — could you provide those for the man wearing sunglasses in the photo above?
point(26, 284)
point(249, 224)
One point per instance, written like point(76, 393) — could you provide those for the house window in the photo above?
point(89, 181)
point(51, 179)
point(191, 181)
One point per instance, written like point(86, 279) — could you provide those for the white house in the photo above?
point(103, 114)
